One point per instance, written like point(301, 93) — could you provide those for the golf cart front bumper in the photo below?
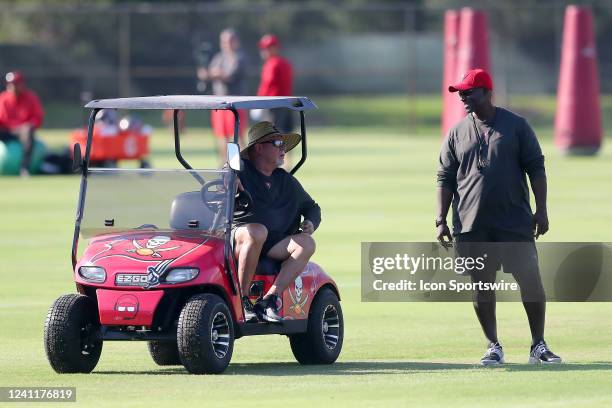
point(127, 308)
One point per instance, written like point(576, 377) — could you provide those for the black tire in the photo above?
point(72, 340)
point(164, 353)
point(322, 343)
point(203, 317)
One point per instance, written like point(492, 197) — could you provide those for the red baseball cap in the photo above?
point(474, 78)
point(267, 41)
point(14, 77)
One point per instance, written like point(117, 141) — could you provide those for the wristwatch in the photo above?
point(440, 222)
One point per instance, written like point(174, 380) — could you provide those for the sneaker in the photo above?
point(493, 356)
point(540, 353)
point(249, 312)
point(266, 310)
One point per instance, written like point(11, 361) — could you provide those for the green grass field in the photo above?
point(373, 184)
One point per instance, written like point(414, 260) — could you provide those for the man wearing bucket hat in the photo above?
point(274, 226)
point(483, 165)
point(20, 115)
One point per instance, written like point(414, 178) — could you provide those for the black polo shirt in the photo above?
point(493, 195)
point(279, 200)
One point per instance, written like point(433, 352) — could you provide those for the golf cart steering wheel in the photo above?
point(213, 197)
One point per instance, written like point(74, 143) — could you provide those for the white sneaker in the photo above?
point(541, 354)
point(493, 356)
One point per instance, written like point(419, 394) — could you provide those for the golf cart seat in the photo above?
point(267, 266)
point(188, 211)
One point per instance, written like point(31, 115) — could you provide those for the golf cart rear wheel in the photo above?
point(164, 353)
point(322, 343)
point(205, 335)
point(72, 340)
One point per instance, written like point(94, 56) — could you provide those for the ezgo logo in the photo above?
point(130, 279)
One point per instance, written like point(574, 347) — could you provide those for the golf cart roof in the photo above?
point(298, 103)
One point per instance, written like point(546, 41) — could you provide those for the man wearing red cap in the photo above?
point(276, 79)
point(20, 115)
point(483, 165)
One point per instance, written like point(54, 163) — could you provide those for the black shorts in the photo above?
point(515, 253)
point(511, 251)
point(271, 240)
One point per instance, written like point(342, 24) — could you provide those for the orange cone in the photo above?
point(473, 52)
point(578, 127)
point(451, 45)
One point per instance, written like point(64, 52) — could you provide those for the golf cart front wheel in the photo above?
point(205, 335)
point(322, 343)
point(72, 340)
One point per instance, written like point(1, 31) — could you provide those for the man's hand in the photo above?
point(216, 73)
point(202, 74)
point(444, 197)
point(444, 232)
point(307, 227)
point(540, 223)
point(239, 184)
point(24, 129)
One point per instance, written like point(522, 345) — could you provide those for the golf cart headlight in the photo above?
point(179, 275)
point(93, 273)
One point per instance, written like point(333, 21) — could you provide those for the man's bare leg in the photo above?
point(249, 241)
point(295, 252)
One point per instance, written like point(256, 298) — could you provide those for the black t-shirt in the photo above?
point(278, 201)
point(496, 194)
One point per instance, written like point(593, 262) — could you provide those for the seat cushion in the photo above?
point(188, 207)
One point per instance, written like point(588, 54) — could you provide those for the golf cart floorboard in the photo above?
point(121, 335)
point(243, 329)
point(286, 327)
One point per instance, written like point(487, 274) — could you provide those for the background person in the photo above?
point(20, 115)
point(272, 228)
point(227, 71)
point(483, 162)
point(276, 80)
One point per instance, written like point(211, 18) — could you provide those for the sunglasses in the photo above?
point(276, 143)
point(470, 92)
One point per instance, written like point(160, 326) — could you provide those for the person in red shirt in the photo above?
point(20, 115)
point(276, 79)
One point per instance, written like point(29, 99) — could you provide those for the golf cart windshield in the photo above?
point(120, 200)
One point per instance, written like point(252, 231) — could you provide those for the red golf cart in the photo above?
point(159, 264)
